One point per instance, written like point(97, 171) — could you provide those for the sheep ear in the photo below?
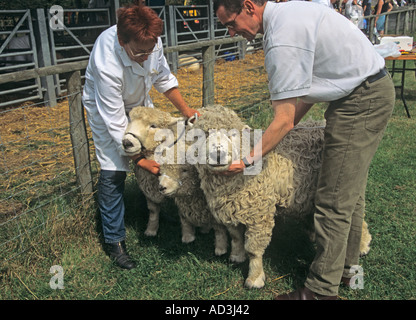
point(135, 112)
point(174, 120)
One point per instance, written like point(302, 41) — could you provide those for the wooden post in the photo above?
point(208, 63)
point(78, 132)
point(371, 25)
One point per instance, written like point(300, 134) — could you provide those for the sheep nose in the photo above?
point(127, 144)
point(217, 156)
point(162, 188)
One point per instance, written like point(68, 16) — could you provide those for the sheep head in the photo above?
point(177, 180)
point(227, 137)
point(142, 128)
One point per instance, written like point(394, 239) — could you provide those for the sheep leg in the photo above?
point(220, 239)
point(188, 231)
point(365, 240)
point(153, 222)
point(205, 229)
point(238, 253)
point(257, 240)
point(256, 274)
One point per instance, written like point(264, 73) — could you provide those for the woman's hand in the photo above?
point(189, 112)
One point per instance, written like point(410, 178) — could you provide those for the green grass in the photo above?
point(168, 269)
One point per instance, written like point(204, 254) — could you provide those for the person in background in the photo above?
point(382, 6)
point(126, 61)
point(366, 4)
point(328, 3)
point(302, 62)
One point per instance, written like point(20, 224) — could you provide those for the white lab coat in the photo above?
point(114, 84)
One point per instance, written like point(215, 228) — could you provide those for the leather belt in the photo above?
point(377, 76)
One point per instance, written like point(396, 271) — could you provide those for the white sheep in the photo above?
point(147, 182)
point(188, 63)
point(247, 203)
point(193, 211)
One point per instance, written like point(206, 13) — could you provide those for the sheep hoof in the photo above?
point(237, 258)
point(255, 283)
point(364, 250)
point(150, 233)
point(188, 238)
point(220, 251)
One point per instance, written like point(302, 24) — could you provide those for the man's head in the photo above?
point(138, 28)
point(242, 17)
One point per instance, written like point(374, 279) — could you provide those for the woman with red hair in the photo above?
point(126, 61)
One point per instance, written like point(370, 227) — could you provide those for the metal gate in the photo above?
point(73, 34)
point(18, 52)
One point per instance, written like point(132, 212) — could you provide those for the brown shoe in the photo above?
point(304, 294)
point(346, 281)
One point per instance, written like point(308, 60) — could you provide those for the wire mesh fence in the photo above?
point(38, 184)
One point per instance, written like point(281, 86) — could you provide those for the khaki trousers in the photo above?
point(355, 126)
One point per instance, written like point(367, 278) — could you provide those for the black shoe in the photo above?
point(117, 251)
point(304, 294)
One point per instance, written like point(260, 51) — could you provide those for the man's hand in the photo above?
point(235, 168)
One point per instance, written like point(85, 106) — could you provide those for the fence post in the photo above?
point(371, 25)
point(398, 17)
point(45, 57)
point(78, 132)
point(208, 63)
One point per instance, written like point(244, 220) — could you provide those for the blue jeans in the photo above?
point(380, 23)
point(111, 205)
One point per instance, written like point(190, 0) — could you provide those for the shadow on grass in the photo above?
point(289, 253)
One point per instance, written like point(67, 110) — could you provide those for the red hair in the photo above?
point(138, 22)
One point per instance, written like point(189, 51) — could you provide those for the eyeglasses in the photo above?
point(156, 48)
point(231, 24)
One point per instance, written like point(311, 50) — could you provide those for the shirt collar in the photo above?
point(125, 59)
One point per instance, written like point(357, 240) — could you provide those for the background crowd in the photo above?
point(356, 10)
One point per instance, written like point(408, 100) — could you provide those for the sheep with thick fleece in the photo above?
point(247, 203)
point(181, 182)
point(193, 211)
point(147, 182)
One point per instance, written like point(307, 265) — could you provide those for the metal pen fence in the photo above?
point(41, 147)
point(42, 37)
